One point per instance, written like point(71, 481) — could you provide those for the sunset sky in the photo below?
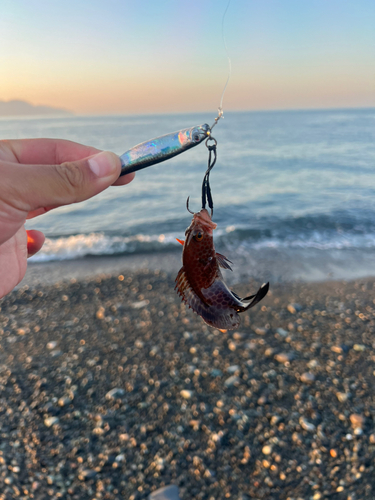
point(126, 57)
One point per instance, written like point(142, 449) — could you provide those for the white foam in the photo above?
point(81, 245)
point(318, 241)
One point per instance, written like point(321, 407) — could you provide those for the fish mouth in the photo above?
point(204, 218)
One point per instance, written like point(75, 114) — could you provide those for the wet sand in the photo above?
point(111, 388)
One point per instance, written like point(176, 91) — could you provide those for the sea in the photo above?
point(293, 191)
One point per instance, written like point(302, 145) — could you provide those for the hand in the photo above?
point(37, 175)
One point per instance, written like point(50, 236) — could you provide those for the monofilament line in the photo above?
point(220, 108)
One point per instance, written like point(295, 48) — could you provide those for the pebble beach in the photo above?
point(111, 388)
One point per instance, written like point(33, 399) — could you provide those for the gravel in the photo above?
point(111, 388)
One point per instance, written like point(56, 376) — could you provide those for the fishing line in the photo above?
point(206, 188)
point(220, 108)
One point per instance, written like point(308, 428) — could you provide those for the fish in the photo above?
point(162, 148)
point(200, 283)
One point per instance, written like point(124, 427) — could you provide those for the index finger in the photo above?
point(49, 151)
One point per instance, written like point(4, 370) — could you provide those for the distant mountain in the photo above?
point(23, 108)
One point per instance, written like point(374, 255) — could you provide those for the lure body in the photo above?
point(200, 282)
point(162, 148)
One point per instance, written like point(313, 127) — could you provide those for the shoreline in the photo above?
point(269, 264)
point(111, 386)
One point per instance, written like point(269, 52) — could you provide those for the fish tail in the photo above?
point(261, 293)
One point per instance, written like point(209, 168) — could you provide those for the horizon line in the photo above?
point(72, 114)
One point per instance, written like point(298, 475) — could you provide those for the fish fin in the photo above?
point(237, 296)
point(188, 295)
point(261, 293)
point(180, 241)
point(248, 298)
point(217, 316)
point(223, 261)
point(181, 282)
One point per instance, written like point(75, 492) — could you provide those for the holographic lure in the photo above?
point(167, 146)
point(163, 148)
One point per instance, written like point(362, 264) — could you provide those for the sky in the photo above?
point(132, 56)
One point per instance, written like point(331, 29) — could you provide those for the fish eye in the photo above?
point(196, 138)
point(198, 236)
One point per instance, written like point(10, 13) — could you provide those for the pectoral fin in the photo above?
point(180, 241)
point(223, 261)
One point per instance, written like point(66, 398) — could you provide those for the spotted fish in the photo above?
point(200, 282)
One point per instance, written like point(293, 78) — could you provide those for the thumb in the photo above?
point(30, 187)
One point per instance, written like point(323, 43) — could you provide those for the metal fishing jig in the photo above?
point(163, 148)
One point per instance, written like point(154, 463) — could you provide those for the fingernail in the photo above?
point(103, 164)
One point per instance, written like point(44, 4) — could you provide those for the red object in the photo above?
point(32, 246)
point(35, 240)
point(200, 283)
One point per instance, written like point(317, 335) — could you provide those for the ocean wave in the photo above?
point(319, 243)
point(230, 238)
point(82, 245)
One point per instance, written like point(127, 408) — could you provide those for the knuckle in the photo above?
point(71, 175)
